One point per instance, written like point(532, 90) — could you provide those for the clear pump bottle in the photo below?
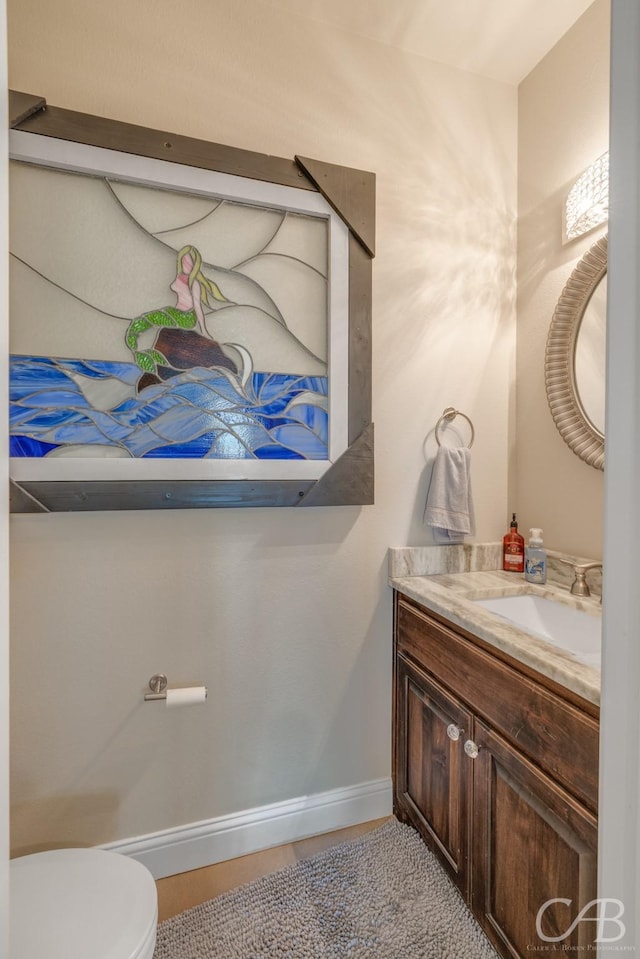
point(535, 558)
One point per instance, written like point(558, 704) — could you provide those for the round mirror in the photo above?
point(575, 357)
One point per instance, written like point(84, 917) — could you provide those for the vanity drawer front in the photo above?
point(555, 734)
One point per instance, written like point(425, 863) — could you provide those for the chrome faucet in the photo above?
point(579, 587)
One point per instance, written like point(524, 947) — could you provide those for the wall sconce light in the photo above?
point(587, 204)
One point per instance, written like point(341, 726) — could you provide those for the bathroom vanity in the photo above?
point(496, 760)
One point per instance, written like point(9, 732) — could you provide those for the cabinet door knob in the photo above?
point(454, 732)
point(471, 749)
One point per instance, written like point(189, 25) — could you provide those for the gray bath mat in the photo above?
point(381, 896)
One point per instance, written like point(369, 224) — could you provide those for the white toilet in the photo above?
point(81, 904)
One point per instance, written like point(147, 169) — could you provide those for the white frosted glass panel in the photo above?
point(46, 320)
point(94, 451)
point(71, 229)
point(242, 290)
point(101, 394)
point(304, 237)
point(228, 236)
point(301, 294)
point(269, 343)
point(158, 210)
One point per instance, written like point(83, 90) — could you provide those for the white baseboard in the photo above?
point(200, 844)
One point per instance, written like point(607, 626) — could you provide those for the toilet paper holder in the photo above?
point(158, 687)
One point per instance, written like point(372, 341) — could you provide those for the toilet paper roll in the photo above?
point(186, 696)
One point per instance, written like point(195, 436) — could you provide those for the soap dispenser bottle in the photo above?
point(513, 549)
point(535, 560)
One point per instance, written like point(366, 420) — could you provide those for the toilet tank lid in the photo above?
point(74, 903)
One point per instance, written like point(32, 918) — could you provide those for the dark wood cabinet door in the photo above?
point(432, 775)
point(532, 843)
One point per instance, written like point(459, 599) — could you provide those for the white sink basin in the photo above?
point(571, 629)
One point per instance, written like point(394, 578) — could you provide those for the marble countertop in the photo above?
point(451, 595)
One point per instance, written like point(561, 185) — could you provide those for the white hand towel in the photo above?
point(449, 507)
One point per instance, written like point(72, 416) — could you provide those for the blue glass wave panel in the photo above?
point(202, 413)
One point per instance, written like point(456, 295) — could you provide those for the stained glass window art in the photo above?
point(166, 318)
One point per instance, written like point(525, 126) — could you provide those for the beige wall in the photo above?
point(563, 125)
point(285, 615)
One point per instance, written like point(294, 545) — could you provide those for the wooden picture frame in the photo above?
point(348, 480)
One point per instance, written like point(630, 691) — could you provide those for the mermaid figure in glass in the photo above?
point(182, 341)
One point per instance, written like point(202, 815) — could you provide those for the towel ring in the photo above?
point(450, 414)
